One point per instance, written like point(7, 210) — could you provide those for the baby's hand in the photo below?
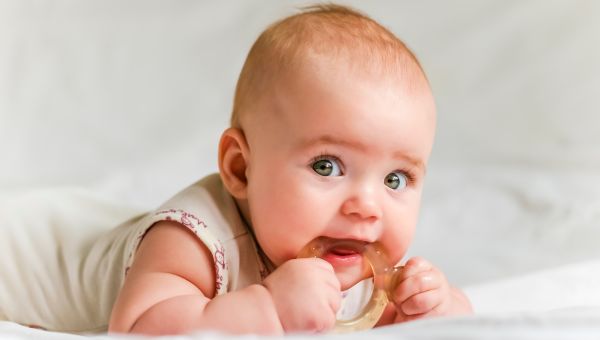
point(423, 291)
point(306, 294)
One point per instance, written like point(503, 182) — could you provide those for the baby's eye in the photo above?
point(327, 167)
point(396, 180)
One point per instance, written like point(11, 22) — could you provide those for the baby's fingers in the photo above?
point(422, 303)
point(419, 283)
point(414, 266)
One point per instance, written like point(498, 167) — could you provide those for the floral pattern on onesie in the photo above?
point(201, 230)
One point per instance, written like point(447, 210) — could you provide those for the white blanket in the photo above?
point(568, 287)
point(576, 324)
point(562, 303)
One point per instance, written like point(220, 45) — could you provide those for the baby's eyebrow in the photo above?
point(412, 160)
point(330, 139)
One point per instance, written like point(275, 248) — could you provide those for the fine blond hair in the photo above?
point(323, 29)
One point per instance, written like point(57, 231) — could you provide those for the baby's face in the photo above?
point(341, 156)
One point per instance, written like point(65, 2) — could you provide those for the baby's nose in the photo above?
point(362, 204)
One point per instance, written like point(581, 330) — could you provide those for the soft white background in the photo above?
point(128, 98)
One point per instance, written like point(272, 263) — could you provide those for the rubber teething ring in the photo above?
point(383, 277)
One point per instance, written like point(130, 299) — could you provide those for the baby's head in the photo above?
point(332, 126)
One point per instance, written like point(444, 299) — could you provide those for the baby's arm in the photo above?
point(423, 291)
point(169, 289)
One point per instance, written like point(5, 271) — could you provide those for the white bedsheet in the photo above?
point(576, 324)
point(567, 288)
point(562, 303)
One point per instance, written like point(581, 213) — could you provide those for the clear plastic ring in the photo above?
point(382, 276)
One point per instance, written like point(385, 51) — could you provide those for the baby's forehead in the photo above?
point(329, 86)
point(323, 81)
point(339, 61)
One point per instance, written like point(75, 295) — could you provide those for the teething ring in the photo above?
point(383, 277)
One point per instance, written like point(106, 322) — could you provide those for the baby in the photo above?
point(332, 126)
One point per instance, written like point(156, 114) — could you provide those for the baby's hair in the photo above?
point(322, 29)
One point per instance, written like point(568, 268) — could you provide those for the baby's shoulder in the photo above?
point(169, 248)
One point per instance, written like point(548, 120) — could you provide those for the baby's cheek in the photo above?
point(396, 249)
point(397, 239)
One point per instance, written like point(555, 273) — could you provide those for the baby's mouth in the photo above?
point(339, 251)
point(344, 255)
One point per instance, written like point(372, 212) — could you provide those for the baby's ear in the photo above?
point(233, 158)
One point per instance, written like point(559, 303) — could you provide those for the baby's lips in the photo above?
point(342, 251)
point(323, 245)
